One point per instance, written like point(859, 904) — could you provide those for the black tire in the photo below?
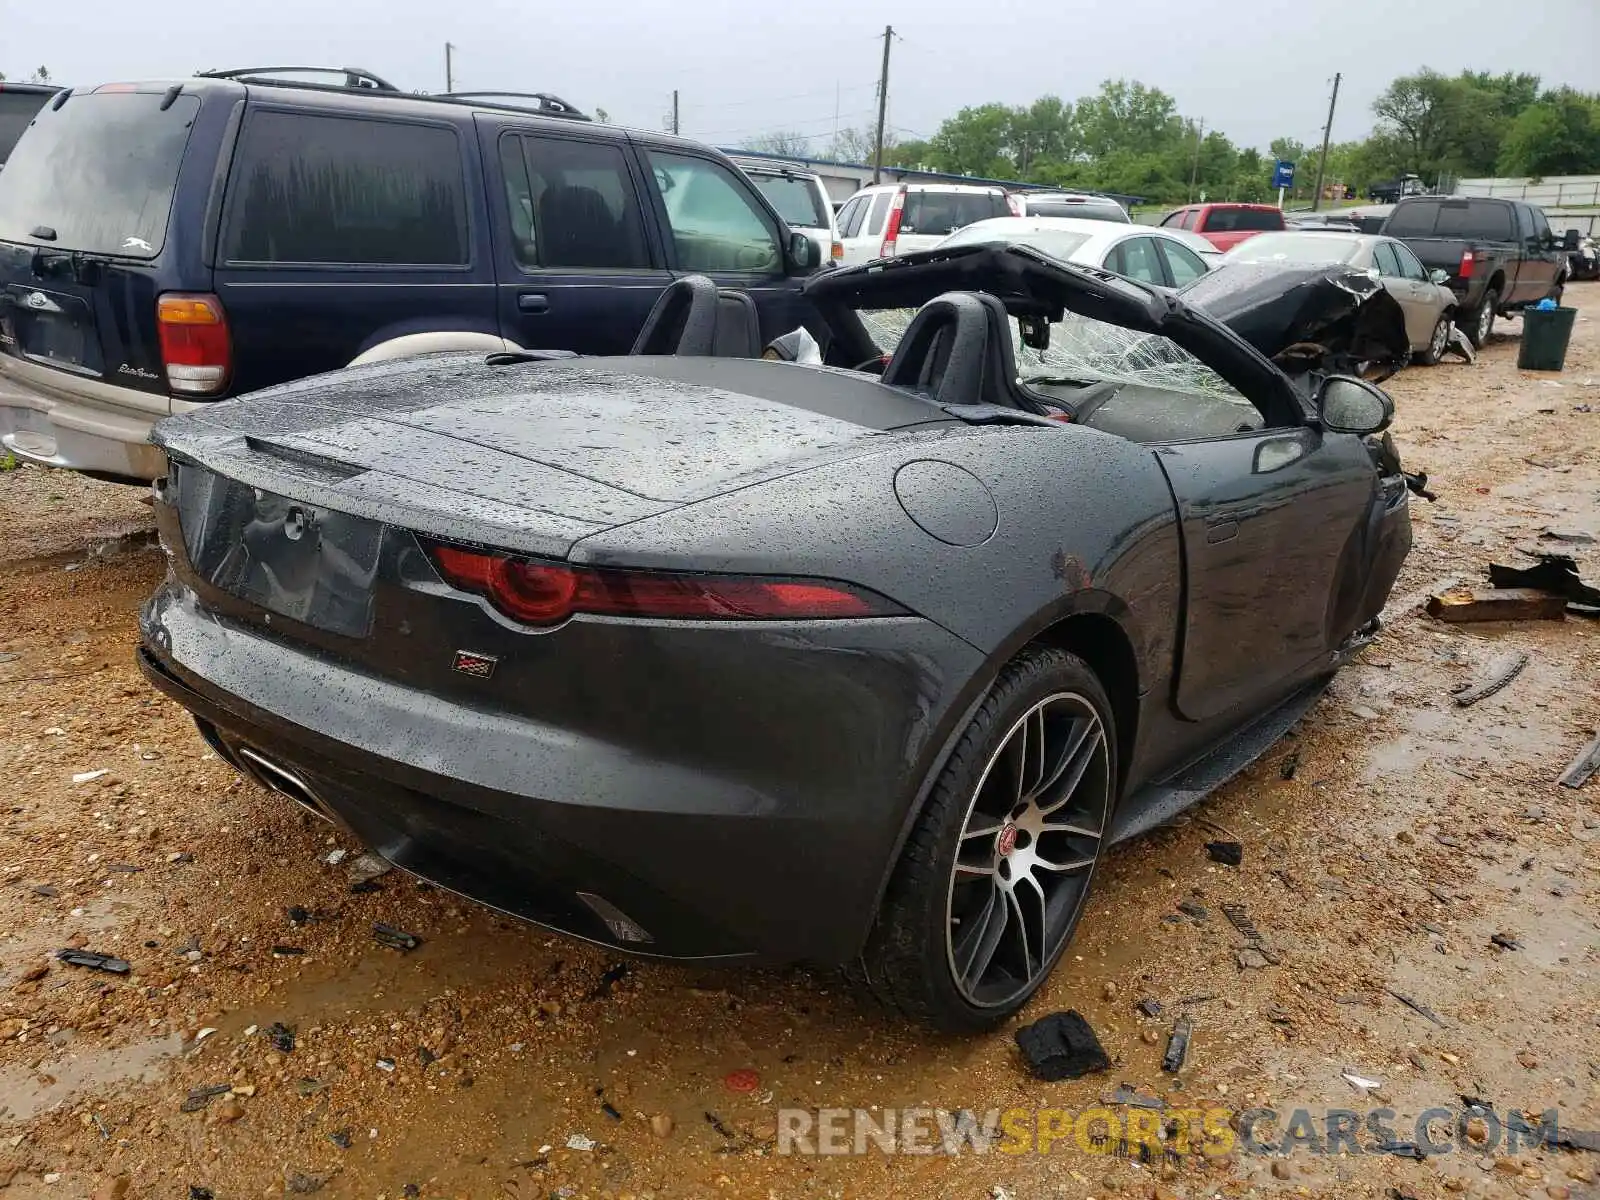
point(1478, 324)
point(1437, 342)
point(910, 959)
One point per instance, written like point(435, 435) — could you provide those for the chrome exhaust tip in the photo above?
point(283, 781)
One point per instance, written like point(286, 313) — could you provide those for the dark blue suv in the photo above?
point(164, 245)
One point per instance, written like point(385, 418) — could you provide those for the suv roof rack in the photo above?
point(354, 77)
point(547, 103)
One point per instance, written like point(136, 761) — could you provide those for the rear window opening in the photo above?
point(1451, 219)
point(945, 212)
point(798, 201)
point(97, 175)
point(1243, 220)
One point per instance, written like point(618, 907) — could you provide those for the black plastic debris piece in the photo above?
point(94, 960)
point(47, 890)
point(280, 1035)
point(1505, 941)
point(410, 1191)
point(1177, 1046)
point(613, 975)
point(1422, 1010)
point(395, 939)
point(1195, 912)
point(340, 1138)
point(1149, 1007)
point(1061, 1046)
point(201, 1097)
point(1229, 854)
point(1583, 767)
point(716, 1123)
point(297, 915)
point(1127, 1094)
point(177, 860)
point(426, 1057)
point(302, 1183)
point(1399, 1149)
point(288, 951)
point(196, 1192)
point(1500, 672)
point(363, 886)
point(1290, 764)
point(1556, 574)
point(610, 1110)
point(1573, 1139)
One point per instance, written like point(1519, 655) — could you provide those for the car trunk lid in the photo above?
point(532, 457)
point(83, 231)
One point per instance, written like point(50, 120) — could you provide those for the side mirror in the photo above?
point(1439, 275)
point(804, 254)
point(1573, 240)
point(1350, 405)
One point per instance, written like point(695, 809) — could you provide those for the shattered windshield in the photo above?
point(1085, 351)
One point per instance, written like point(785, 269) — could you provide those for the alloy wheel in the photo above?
point(1440, 339)
point(1027, 850)
point(1485, 322)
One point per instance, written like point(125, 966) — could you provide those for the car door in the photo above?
point(716, 225)
point(1183, 265)
point(576, 265)
point(1137, 258)
point(1427, 302)
point(1419, 312)
point(1544, 259)
point(1274, 522)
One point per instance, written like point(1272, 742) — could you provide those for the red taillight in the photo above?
point(836, 252)
point(891, 231)
point(541, 593)
point(1465, 270)
point(195, 346)
point(1014, 203)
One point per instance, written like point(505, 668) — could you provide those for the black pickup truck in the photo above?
point(1500, 254)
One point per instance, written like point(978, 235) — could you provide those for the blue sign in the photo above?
point(1283, 174)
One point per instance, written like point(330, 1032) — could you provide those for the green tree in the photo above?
point(1129, 118)
point(976, 141)
point(1559, 135)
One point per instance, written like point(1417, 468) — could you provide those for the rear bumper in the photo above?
point(58, 420)
point(773, 849)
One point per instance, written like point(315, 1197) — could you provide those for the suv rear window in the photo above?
point(16, 110)
point(1084, 210)
point(945, 212)
point(1243, 220)
point(307, 188)
point(1450, 219)
point(798, 201)
point(99, 171)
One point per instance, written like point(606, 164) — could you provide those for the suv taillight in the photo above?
point(836, 252)
point(1465, 269)
point(195, 346)
point(1014, 204)
point(891, 231)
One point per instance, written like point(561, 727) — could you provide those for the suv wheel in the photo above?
point(994, 876)
point(1480, 324)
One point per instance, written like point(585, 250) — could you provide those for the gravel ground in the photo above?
point(498, 1061)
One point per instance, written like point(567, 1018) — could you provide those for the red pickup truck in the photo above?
point(1226, 225)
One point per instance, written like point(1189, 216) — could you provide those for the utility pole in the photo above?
point(1327, 133)
point(883, 104)
point(674, 112)
point(449, 72)
point(1194, 170)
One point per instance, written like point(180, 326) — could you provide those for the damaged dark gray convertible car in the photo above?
point(717, 658)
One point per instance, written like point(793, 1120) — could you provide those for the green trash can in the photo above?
point(1545, 334)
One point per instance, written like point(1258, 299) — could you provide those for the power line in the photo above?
point(755, 100)
point(818, 125)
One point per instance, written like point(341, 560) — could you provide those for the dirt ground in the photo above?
point(1384, 845)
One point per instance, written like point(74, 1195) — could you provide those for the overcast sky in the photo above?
point(1255, 69)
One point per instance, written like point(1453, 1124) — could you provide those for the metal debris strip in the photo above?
point(94, 961)
point(1584, 766)
point(395, 939)
point(201, 1097)
point(1178, 1045)
point(1240, 920)
point(1500, 672)
point(1422, 1010)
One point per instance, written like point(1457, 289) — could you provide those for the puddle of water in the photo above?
point(24, 1093)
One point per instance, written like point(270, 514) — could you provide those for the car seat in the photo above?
point(958, 350)
point(693, 317)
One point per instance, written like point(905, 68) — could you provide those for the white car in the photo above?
point(1086, 206)
point(801, 199)
point(1164, 257)
point(898, 218)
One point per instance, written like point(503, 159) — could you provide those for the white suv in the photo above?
point(897, 218)
point(1086, 206)
point(801, 199)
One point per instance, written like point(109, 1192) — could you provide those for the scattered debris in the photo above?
point(1399, 1149)
point(613, 975)
point(340, 1138)
point(49, 891)
point(196, 1192)
point(385, 1064)
point(1288, 767)
point(90, 776)
point(743, 1081)
point(1061, 1046)
point(1361, 1083)
point(1177, 1045)
point(202, 1096)
point(1229, 854)
point(287, 951)
point(1505, 941)
point(662, 1125)
point(1251, 959)
point(1149, 1007)
point(395, 939)
point(302, 1183)
point(1577, 537)
point(1556, 574)
point(1422, 1010)
point(1195, 912)
point(1584, 766)
point(334, 857)
point(578, 1141)
point(1127, 1094)
point(1496, 604)
point(297, 915)
point(367, 867)
point(281, 1036)
point(94, 960)
point(1500, 672)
